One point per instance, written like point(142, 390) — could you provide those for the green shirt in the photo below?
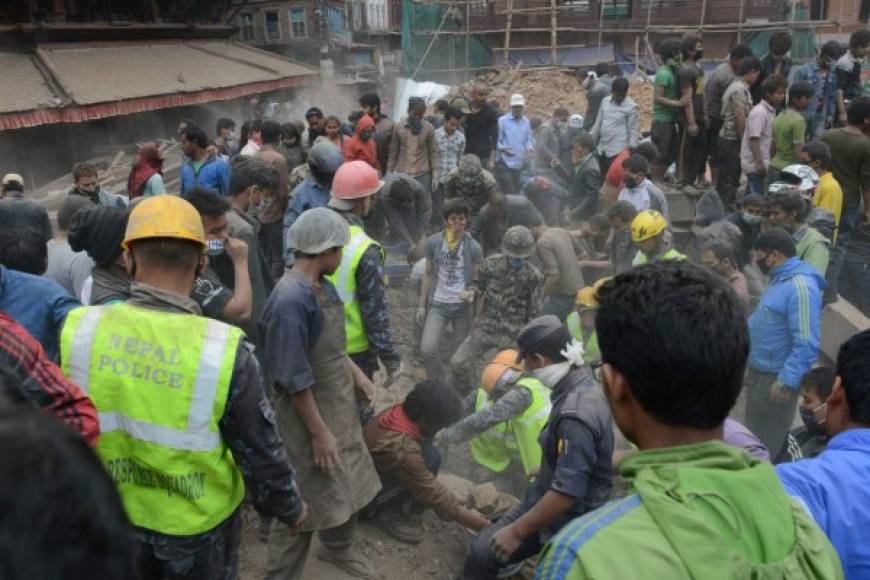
point(665, 78)
point(789, 129)
point(707, 511)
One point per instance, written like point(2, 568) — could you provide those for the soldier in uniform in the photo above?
point(508, 294)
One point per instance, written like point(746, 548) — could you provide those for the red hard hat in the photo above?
point(355, 179)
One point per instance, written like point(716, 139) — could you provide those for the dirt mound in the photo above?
point(546, 89)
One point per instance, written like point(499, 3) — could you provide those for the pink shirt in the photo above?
point(759, 124)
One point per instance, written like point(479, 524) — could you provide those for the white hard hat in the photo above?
point(517, 100)
point(804, 175)
point(575, 121)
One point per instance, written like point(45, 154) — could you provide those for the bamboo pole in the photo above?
point(740, 22)
point(553, 32)
point(467, 32)
point(730, 27)
point(600, 22)
point(431, 43)
point(703, 14)
point(507, 31)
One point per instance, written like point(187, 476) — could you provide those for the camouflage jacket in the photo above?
point(511, 296)
point(475, 192)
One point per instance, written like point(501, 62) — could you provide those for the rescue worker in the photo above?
point(649, 232)
point(183, 414)
point(324, 159)
point(510, 410)
point(508, 292)
point(576, 449)
point(581, 322)
point(318, 401)
point(360, 278)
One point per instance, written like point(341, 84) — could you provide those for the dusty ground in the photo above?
point(441, 554)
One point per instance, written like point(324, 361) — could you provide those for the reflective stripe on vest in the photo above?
point(344, 280)
point(160, 383)
point(591, 351)
point(494, 448)
point(197, 437)
point(640, 258)
point(516, 437)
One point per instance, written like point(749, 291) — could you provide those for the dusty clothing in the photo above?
point(547, 147)
point(736, 98)
point(489, 228)
point(405, 220)
point(303, 333)
point(512, 404)
point(248, 426)
point(622, 250)
point(277, 205)
point(413, 154)
point(294, 155)
point(16, 211)
point(759, 125)
point(615, 127)
point(399, 457)
point(557, 258)
point(67, 268)
point(714, 89)
point(471, 183)
point(384, 127)
point(450, 151)
point(356, 149)
point(511, 295)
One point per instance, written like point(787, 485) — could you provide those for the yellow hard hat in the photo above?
point(647, 224)
point(164, 216)
point(586, 298)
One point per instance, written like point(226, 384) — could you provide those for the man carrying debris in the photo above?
point(317, 388)
point(360, 277)
point(509, 412)
point(183, 414)
point(400, 441)
point(509, 290)
point(576, 474)
point(470, 182)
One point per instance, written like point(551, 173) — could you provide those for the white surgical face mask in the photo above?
point(215, 247)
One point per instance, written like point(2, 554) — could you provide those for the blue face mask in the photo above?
point(516, 263)
point(751, 219)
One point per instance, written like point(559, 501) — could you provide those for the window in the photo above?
point(272, 26)
point(577, 5)
point(298, 25)
point(617, 9)
point(246, 23)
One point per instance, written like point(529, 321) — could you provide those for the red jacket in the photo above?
point(355, 148)
point(32, 376)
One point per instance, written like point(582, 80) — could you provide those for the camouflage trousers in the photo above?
point(213, 555)
point(468, 357)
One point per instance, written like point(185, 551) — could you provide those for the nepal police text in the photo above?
point(152, 363)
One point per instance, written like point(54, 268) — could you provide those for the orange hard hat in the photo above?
point(507, 358)
point(355, 180)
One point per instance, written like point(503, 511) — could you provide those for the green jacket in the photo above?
point(707, 511)
point(813, 248)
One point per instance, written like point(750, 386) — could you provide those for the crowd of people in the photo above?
point(587, 350)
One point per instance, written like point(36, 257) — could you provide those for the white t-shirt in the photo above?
point(451, 275)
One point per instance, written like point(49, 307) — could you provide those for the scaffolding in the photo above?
point(549, 16)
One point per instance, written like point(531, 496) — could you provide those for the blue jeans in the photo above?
point(755, 184)
point(434, 328)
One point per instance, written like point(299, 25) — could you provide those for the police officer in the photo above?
point(576, 444)
point(359, 279)
point(181, 404)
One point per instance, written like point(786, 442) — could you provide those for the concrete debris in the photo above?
point(547, 89)
point(461, 487)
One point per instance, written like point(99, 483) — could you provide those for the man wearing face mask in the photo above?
point(809, 440)
point(229, 263)
point(577, 446)
point(833, 486)
point(784, 336)
point(822, 74)
point(181, 401)
point(86, 183)
point(748, 218)
point(508, 291)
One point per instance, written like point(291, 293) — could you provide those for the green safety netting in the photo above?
point(420, 21)
point(803, 40)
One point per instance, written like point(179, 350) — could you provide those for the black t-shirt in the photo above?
point(210, 294)
point(481, 131)
point(692, 76)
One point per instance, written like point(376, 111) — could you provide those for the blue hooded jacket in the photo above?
point(214, 174)
point(784, 330)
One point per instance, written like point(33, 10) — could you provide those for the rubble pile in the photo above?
point(113, 172)
point(546, 89)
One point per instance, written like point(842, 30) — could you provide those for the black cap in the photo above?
point(540, 331)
